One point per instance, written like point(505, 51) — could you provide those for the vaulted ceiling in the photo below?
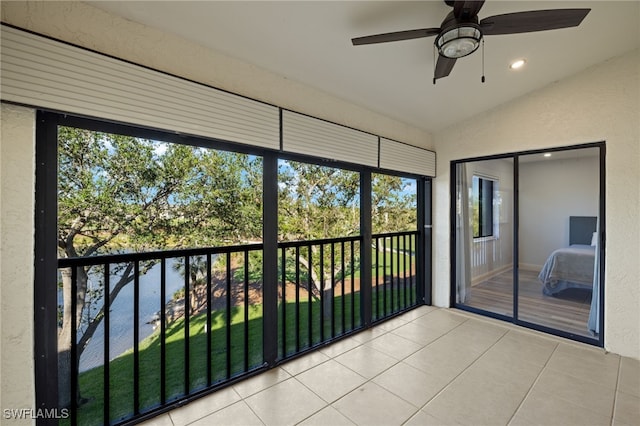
point(310, 42)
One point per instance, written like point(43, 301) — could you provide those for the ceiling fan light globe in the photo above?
point(458, 42)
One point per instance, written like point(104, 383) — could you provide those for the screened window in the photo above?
point(482, 201)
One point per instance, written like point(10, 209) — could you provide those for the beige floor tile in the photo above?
point(238, 414)
point(443, 358)
point(476, 335)
point(392, 324)
point(476, 397)
point(262, 381)
point(366, 361)
point(441, 320)
point(304, 363)
point(626, 410)
point(587, 363)
point(368, 335)
point(394, 345)
point(204, 406)
point(331, 380)
point(285, 403)
point(629, 380)
point(418, 333)
point(578, 391)
point(423, 419)
point(328, 416)
point(523, 347)
point(418, 312)
point(410, 384)
point(371, 404)
point(548, 410)
point(500, 369)
point(340, 347)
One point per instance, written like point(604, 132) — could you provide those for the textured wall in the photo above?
point(599, 104)
point(17, 184)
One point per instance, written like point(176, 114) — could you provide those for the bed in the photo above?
point(573, 266)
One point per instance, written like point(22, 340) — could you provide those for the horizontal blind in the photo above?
point(44, 73)
point(406, 158)
point(302, 134)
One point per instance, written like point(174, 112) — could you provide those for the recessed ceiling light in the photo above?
point(517, 64)
point(547, 154)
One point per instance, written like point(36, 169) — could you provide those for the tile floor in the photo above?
point(433, 366)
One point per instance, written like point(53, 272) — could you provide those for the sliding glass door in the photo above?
point(484, 235)
point(526, 239)
point(558, 236)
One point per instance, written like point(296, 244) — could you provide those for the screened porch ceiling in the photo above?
point(310, 42)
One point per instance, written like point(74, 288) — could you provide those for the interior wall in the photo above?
point(550, 192)
point(601, 103)
point(490, 255)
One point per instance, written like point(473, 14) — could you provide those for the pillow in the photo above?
point(594, 239)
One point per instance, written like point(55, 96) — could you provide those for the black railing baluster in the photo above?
point(163, 331)
point(246, 310)
point(228, 316)
point(208, 326)
point(187, 304)
point(353, 289)
point(411, 273)
point(398, 276)
point(377, 266)
point(136, 337)
point(297, 310)
point(310, 295)
point(333, 283)
point(106, 322)
point(404, 267)
point(284, 302)
point(384, 275)
point(343, 269)
point(322, 292)
point(392, 269)
point(73, 360)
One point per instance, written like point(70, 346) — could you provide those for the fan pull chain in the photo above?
point(483, 59)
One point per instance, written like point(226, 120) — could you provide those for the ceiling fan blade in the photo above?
point(395, 36)
point(444, 66)
point(466, 9)
point(535, 20)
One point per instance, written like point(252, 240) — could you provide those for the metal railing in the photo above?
point(192, 320)
point(394, 276)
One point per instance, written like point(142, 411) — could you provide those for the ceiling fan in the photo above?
point(460, 33)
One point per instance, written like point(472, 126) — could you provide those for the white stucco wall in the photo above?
point(599, 104)
point(17, 187)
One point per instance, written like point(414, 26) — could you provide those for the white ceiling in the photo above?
point(310, 42)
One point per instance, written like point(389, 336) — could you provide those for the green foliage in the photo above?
point(152, 194)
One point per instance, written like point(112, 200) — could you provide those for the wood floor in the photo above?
point(568, 311)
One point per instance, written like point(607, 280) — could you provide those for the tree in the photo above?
point(119, 193)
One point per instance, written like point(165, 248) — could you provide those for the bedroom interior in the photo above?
point(548, 224)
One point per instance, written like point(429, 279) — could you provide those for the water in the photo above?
point(121, 314)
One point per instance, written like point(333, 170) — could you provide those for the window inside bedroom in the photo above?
point(482, 201)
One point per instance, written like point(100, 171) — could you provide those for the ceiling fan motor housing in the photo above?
point(458, 38)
